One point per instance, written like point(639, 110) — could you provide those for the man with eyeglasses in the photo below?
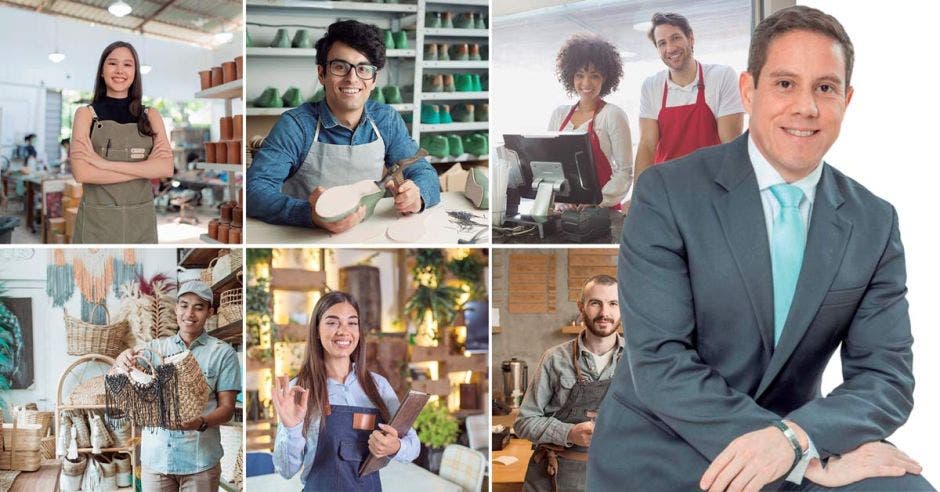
point(688, 106)
point(340, 140)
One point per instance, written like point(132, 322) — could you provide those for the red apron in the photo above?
point(684, 129)
point(601, 165)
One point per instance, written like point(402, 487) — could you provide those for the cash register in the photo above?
point(558, 167)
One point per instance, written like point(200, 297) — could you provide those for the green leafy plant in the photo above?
point(440, 301)
point(11, 344)
point(469, 270)
point(254, 256)
point(257, 307)
point(429, 266)
point(435, 426)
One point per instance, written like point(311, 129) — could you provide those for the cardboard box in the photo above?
point(70, 214)
point(70, 202)
point(73, 189)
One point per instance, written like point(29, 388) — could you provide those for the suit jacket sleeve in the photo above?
point(658, 317)
point(876, 395)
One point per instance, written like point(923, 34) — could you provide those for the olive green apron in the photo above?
point(117, 213)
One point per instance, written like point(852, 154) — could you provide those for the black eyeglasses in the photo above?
point(340, 68)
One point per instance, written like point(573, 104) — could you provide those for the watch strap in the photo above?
point(794, 441)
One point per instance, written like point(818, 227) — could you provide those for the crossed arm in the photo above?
point(89, 167)
point(695, 400)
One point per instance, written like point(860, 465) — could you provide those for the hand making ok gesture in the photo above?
point(289, 410)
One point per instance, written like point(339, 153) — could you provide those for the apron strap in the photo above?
point(701, 86)
point(575, 352)
point(316, 134)
point(597, 109)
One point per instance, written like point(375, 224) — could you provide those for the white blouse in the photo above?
point(613, 131)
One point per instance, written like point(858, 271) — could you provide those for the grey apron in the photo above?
point(329, 165)
point(117, 213)
point(557, 468)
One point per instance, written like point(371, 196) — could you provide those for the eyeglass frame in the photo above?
point(349, 67)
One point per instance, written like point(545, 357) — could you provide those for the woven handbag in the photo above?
point(86, 338)
point(230, 306)
point(172, 393)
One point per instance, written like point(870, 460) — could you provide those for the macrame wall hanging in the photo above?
point(148, 400)
point(59, 283)
point(94, 272)
point(126, 269)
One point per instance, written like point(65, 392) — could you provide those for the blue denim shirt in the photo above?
point(293, 453)
point(288, 143)
point(176, 452)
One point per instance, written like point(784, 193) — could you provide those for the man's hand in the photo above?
point(407, 196)
point(750, 462)
point(192, 425)
point(872, 459)
point(581, 434)
point(125, 361)
point(384, 442)
point(342, 225)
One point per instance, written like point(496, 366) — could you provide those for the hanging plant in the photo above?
point(469, 270)
point(148, 305)
point(254, 256)
point(439, 301)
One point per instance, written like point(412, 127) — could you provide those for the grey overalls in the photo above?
point(557, 468)
point(117, 212)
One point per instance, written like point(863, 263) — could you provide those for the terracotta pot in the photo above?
point(220, 152)
point(235, 235)
point(225, 127)
point(237, 127)
point(216, 76)
point(239, 67)
point(205, 79)
point(234, 151)
point(237, 216)
point(223, 233)
point(210, 151)
point(226, 211)
point(228, 72)
point(214, 228)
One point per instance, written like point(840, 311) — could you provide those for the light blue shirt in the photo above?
point(767, 176)
point(175, 452)
point(291, 450)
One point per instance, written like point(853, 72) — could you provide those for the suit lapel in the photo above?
point(825, 246)
point(741, 215)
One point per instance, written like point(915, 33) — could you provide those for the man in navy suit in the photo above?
point(742, 268)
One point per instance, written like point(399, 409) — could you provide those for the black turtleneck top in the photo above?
point(117, 110)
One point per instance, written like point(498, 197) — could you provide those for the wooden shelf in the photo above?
point(230, 281)
point(455, 33)
point(219, 166)
point(270, 52)
point(280, 111)
point(452, 96)
point(459, 158)
point(230, 90)
point(454, 127)
point(338, 7)
point(230, 333)
point(456, 65)
point(204, 237)
point(572, 329)
point(198, 257)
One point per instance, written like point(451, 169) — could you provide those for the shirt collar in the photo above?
point(687, 87)
point(327, 120)
point(350, 378)
point(584, 351)
point(200, 340)
point(767, 176)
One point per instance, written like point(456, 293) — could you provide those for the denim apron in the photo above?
point(341, 449)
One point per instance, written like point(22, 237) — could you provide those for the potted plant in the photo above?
point(432, 298)
point(436, 429)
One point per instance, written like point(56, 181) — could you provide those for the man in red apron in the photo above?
point(688, 106)
point(558, 410)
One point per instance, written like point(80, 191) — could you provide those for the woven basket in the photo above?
point(21, 437)
point(223, 267)
point(120, 430)
point(74, 468)
point(85, 338)
point(20, 460)
point(206, 275)
point(44, 419)
point(237, 259)
point(230, 306)
point(88, 392)
point(189, 395)
point(47, 448)
point(80, 424)
point(231, 439)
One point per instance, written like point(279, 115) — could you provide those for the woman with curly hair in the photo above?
point(117, 147)
point(590, 68)
point(336, 412)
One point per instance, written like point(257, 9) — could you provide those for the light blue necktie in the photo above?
point(786, 251)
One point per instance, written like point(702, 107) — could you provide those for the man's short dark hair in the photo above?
point(798, 18)
point(673, 19)
point(599, 280)
point(364, 38)
point(583, 50)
